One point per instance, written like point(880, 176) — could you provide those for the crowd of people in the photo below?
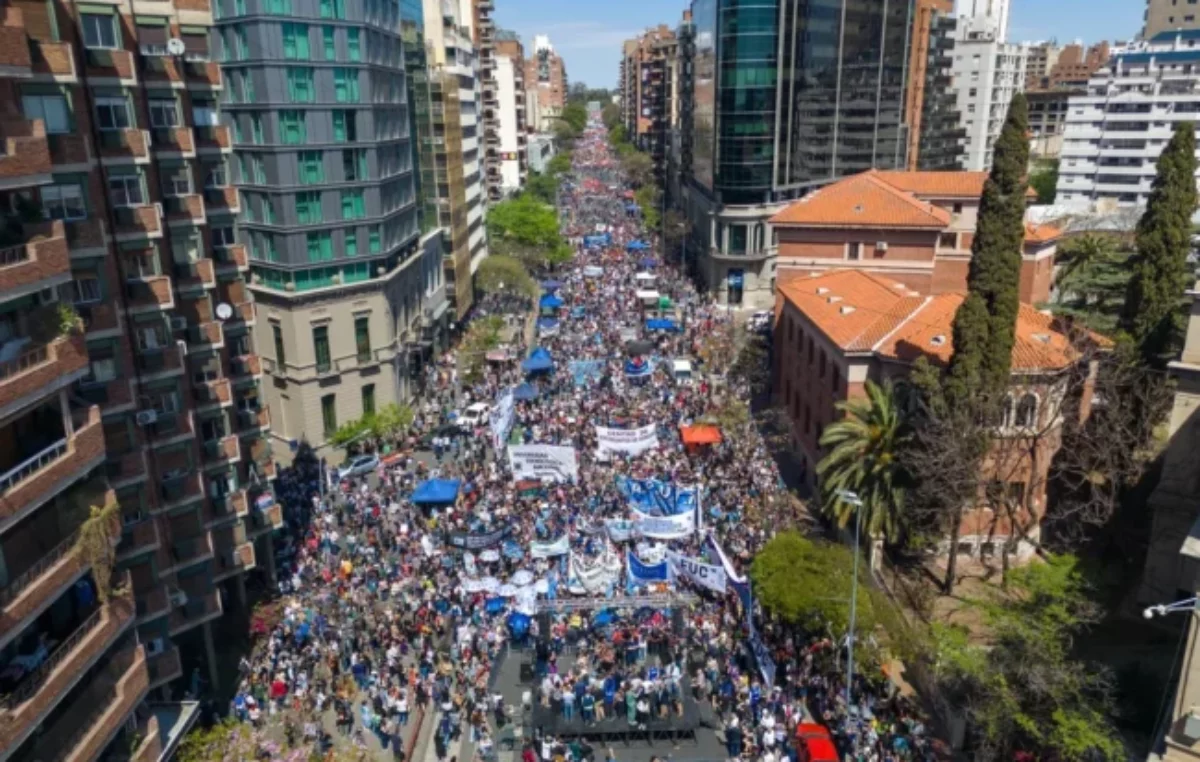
point(383, 618)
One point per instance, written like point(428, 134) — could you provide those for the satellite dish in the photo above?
point(175, 46)
point(224, 311)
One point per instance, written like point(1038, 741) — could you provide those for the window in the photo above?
point(1027, 410)
point(242, 47)
point(353, 205)
point(362, 338)
point(204, 114)
point(368, 400)
point(948, 241)
point(374, 243)
point(222, 236)
point(177, 181)
point(63, 202)
point(320, 247)
point(957, 208)
point(86, 289)
point(280, 356)
point(344, 128)
point(279, 7)
point(308, 208)
point(51, 109)
point(126, 190)
point(345, 85)
point(333, 9)
point(260, 172)
point(268, 209)
point(292, 128)
point(112, 113)
point(256, 129)
point(102, 369)
point(354, 165)
point(164, 113)
point(300, 85)
point(100, 31)
point(312, 171)
point(350, 244)
point(215, 176)
point(295, 42)
point(353, 49)
point(821, 364)
point(248, 95)
point(320, 336)
point(854, 250)
point(327, 43)
point(329, 413)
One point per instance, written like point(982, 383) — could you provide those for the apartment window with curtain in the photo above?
point(353, 48)
point(100, 30)
point(112, 113)
point(126, 190)
point(345, 85)
point(328, 44)
point(374, 242)
point(295, 42)
point(362, 338)
point(164, 113)
point(353, 205)
point(333, 9)
point(354, 165)
point(350, 244)
point(320, 247)
point(308, 208)
point(344, 126)
point(292, 127)
point(260, 172)
point(242, 47)
point(52, 110)
point(277, 334)
point(300, 85)
point(279, 7)
point(63, 201)
point(329, 414)
point(368, 400)
point(312, 171)
point(256, 129)
point(320, 336)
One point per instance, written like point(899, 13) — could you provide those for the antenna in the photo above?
point(175, 46)
point(224, 311)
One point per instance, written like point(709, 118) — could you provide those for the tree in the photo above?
point(481, 337)
point(96, 533)
point(1092, 280)
point(675, 226)
point(1022, 689)
point(649, 201)
point(373, 429)
point(544, 188)
point(610, 115)
point(1044, 180)
point(559, 164)
point(862, 456)
point(639, 168)
point(500, 274)
point(1153, 315)
point(527, 229)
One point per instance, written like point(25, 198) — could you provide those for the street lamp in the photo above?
point(1162, 609)
point(853, 499)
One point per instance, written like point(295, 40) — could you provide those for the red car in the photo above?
point(815, 744)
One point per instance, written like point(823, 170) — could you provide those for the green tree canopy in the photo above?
point(1044, 180)
point(527, 229)
point(1092, 280)
point(559, 164)
point(649, 200)
point(544, 188)
point(503, 274)
point(1153, 313)
point(375, 428)
point(639, 167)
point(611, 115)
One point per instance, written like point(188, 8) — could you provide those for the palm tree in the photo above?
point(862, 456)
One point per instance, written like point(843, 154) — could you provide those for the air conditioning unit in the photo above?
point(146, 137)
point(179, 324)
point(881, 246)
point(158, 209)
point(155, 647)
point(178, 598)
point(146, 417)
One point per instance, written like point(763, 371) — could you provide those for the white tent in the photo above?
point(647, 296)
point(646, 277)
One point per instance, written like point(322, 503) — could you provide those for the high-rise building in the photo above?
point(510, 96)
point(806, 96)
point(127, 374)
point(483, 32)
point(1048, 120)
point(1075, 66)
point(546, 71)
point(650, 91)
point(1040, 58)
point(986, 74)
point(1168, 16)
point(994, 12)
point(346, 288)
point(1115, 131)
point(935, 132)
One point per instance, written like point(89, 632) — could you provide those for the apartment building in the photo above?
point(995, 13)
point(1075, 66)
point(127, 376)
point(484, 36)
point(650, 91)
point(935, 131)
point(510, 103)
point(1040, 58)
point(1048, 120)
point(1168, 16)
point(1116, 130)
point(986, 74)
point(317, 107)
point(546, 71)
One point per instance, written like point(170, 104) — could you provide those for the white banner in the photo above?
point(550, 463)
point(559, 547)
point(594, 577)
point(620, 530)
point(628, 441)
point(664, 527)
point(502, 418)
point(702, 574)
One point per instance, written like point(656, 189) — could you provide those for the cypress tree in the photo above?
point(1152, 314)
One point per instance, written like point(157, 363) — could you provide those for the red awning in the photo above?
point(700, 435)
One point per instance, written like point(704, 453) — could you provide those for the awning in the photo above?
point(539, 360)
point(525, 392)
point(550, 302)
point(700, 434)
point(662, 324)
point(436, 491)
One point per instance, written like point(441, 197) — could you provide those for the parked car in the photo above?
point(760, 322)
point(474, 416)
point(363, 464)
point(815, 744)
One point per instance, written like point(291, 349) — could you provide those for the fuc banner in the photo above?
point(627, 441)
point(551, 463)
point(705, 575)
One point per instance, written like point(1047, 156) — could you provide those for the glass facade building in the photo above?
point(747, 42)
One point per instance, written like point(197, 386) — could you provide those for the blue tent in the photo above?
point(547, 326)
point(550, 302)
point(518, 624)
point(578, 312)
point(648, 262)
point(662, 324)
point(636, 246)
point(638, 367)
point(525, 392)
point(436, 491)
point(539, 360)
point(551, 285)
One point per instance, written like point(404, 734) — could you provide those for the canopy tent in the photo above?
point(648, 262)
point(578, 311)
point(550, 302)
point(637, 246)
point(647, 295)
point(646, 277)
point(638, 367)
point(700, 434)
point(539, 360)
point(547, 326)
point(551, 285)
point(662, 324)
point(436, 491)
point(525, 392)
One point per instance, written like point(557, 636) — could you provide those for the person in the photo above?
point(733, 739)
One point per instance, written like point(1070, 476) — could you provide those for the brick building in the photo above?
point(913, 227)
point(836, 330)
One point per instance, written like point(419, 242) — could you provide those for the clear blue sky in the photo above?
point(588, 33)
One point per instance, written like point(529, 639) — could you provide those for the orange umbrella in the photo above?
point(700, 435)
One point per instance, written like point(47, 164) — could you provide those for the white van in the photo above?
point(681, 372)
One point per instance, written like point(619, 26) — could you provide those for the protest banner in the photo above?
point(645, 574)
point(705, 575)
point(547, 463)
point(467, 541)
point(558, 547)
point(595, 576)
point(664, 527)
point(620, 530)
point(627, 441)
point(502, 418)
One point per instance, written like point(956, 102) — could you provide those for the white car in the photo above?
point(474, 416)
point(363, 464)
point(760, 322)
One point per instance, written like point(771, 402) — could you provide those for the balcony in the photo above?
point(152, 603)
point(110, 65)
point(222, 200)
point(170, 428)
point(177, 491)
point(208, 335)
point(246, 366)
point(249, 421)
point(15, 60)
point(24, 154)
point(53, 58)
point(126, 469)
point(266, 519)
point(197, 611)
point(202, 75)
point(224, 450)
point(231, 506)
point(184, 210)
point(160, 362)
point(43, 689)
point(181, 553)
point(150, 294)
point(138, 538)
point(135, 223)
point(41, 262)
point(36, 479)
point(231, 257)
point(213, 139)
point(196, 276)
point(217, 392)
point(164, 668)
point(123, 146)
point(173, 143)
point(162, 69)
point(234, 554)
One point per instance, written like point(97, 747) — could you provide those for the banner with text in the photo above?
point(548, 463)
point(645, 574)
point(705, 575)
point(664, 527)
point(593, 576)
point(465, 541)
point(502, 418)
point(620, 530)
point(626, 441)
point(559, 547)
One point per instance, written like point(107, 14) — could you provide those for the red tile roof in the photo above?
point(955, 184)
point(863, 200)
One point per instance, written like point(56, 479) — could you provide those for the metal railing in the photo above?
point(28, 359)
point(31, 466)
point(37, 678)
point(14, 255)
point(96, 701)
point(22, 582)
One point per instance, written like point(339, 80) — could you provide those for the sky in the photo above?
point(588, 33)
